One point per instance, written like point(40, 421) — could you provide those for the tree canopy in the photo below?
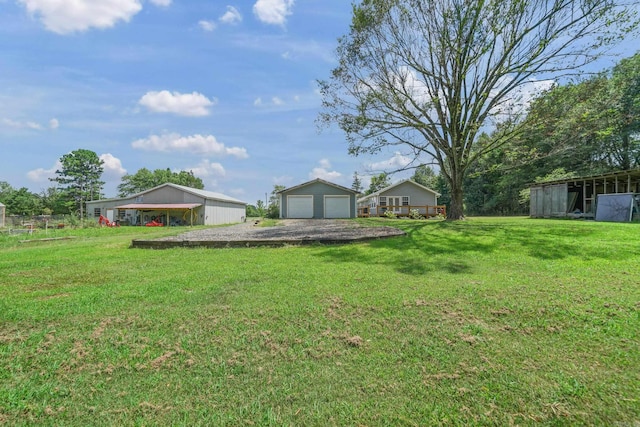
point(428, 76)
point(145, 179)
point(378, 182)
point(79, 178)
point(584, 127)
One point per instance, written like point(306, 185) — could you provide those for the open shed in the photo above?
point(577, 197)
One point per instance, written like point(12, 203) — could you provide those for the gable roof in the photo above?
point(385, 189)
point(201, 193)
point(318, 180)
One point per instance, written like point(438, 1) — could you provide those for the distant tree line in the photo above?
point(78, 181)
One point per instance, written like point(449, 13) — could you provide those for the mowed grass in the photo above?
point(481, 322)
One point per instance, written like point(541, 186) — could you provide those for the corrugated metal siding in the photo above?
point(216, 213)
point(417, 195)
point(212, 212)
point(170, 195)
point(318, 190)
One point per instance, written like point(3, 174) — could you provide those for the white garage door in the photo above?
point(336, 207)
point(299, 206)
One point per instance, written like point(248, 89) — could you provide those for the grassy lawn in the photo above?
point(486, 322)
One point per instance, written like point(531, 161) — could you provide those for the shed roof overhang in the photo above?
point(159, 206)
point(631, 174)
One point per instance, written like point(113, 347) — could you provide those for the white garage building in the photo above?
point(170, 204)
point(317, 199)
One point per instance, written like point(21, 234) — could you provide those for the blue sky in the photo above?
point(226, 89)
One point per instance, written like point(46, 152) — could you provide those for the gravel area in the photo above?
point(289, 231)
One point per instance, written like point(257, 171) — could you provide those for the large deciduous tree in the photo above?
point(428, 76)
point(79, 177)
point(145, 179)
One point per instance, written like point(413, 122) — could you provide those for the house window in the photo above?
point(139, 199)
point(96, 212)
point(405, 200)
point(121, 213)
point(383, 201)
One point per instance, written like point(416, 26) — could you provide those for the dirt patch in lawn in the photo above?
point(287, 232)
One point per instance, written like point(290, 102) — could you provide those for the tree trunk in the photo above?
point(456, 208)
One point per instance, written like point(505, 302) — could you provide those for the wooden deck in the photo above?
point(403, 211)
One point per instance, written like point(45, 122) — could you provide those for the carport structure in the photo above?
point(164, 209)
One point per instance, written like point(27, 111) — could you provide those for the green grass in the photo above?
point(484, 322)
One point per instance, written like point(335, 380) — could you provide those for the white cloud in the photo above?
point(325, 163)
point(273, 12)
point(207, 25)
point(323, 172)
point(206, 168)
point(188, 104)
point(518, 101)
point(285, 180)
point(162, 3)
point(257, 102)
point(68, 16)
point(231, 16)
point(21, 125)
point(53, 124)
point(43, 175)
point(112, 166)
point(277, 101)
point(199, 144)
point(398, 161)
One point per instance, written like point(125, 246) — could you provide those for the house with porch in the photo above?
point(401, 198)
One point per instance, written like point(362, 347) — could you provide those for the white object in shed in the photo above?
point(299, 206)
point(337, 207)
point(619, 207)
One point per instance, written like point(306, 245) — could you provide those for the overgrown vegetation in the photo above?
point(485, 321)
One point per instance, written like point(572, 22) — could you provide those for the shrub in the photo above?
point(389, 214)
point(415, 214)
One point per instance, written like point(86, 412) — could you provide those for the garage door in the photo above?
point(337, 207)
point(299, 206)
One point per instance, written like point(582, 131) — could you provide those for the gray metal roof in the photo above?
point(202, 193)
point(630, 173)
point(318, 180)
point(368, 196)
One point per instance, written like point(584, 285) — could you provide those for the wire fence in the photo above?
point(40, 221)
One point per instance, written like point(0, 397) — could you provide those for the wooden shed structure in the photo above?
point(577, 197)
